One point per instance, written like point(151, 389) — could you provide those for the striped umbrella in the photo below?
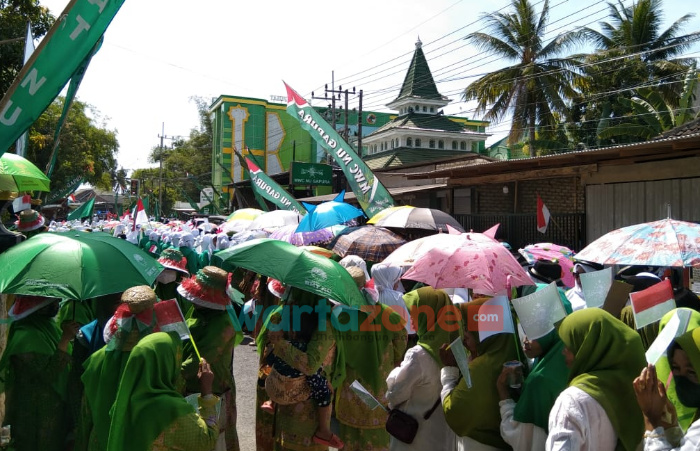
point(417, 218)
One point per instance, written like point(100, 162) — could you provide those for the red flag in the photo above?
point(170, 319)
point(126, 214)
point(141, 217)
point(22, 203)
point(651, 304)
point(542, 215)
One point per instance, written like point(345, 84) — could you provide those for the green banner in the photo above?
point(67, 189)
point(270, 190)
point(315, 174)
point(84, 211)
point(370, 193)
point(65, 46)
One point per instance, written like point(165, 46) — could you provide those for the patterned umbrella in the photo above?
point(549, 251)
point(369, 243)
point(660, 243)
point(417, 218)
point(483, 266)
point(407, 254)
point(288, 234)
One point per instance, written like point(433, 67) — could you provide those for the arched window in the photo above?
point(431, 143)
point(441, 144)
point(425, 109)
point(462, 145)
point(454, 145)
point(409, 142)
point(417, 142)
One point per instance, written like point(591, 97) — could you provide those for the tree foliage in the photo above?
point(14, 16)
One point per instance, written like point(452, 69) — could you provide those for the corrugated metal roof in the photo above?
point(393, 191)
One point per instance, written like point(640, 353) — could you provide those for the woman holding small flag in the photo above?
point(215, 336)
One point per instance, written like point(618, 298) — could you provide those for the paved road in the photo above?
point(245, 370)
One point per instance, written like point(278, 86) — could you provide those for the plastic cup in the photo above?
point(515, 377)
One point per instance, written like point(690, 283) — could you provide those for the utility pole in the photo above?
point(337, 94)
point(160, 177)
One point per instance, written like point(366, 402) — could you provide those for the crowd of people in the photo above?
point(112, 374)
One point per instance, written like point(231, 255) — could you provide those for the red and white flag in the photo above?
point(126, 214)
point(22, 203)
point(141, 216)
point(652, 304)
point(542, 216)
point(170, 319)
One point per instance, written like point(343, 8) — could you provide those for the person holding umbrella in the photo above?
point(34, 374)
point(216, 337)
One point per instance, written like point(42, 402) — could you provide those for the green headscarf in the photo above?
point(474, 412)
point(608, 356)
point(38, 334)
point(78, 311)
point(647, 333)
point(208, 327)
point(364, 349)
point(547, 379)
point(663, 370)
point(430, 334)
point(103, 371)
point(148, 401)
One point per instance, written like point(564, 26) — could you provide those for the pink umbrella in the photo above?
point(549, 251)
point(407, 254)
point(481, 265)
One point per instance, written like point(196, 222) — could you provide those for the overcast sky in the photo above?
point(157, 54)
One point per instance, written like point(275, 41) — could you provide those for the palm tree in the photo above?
point(533, 89)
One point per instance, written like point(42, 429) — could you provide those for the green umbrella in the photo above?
point(75, 266)
point(19, 174)
point(293, 266)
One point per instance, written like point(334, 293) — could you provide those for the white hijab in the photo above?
point(385, 278)
point(354, 260)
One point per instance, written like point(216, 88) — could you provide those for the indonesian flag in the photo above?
point(653, 303)
point(126, 214)
point(141, 216)
point(22, 203)
point(170, 319)
point(71, 199)
point(542, 215)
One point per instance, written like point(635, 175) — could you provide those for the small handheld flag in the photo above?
point(169, 318)
point(652, 304)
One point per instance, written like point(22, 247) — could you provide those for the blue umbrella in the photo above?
point(327, 214)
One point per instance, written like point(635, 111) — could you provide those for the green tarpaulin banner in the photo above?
point(270, 190)
point(65, 46)
point(67, 189)
point(370, 193)
point(84, 211)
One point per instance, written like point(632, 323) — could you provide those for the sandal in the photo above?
point(268, 407)
point(333, 442)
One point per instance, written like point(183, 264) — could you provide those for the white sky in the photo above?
point(159, 53)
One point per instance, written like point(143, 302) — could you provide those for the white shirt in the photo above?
point(578, 423)
point(660, 440)
point(415, 387)
point(449, 377)
point(520, 436)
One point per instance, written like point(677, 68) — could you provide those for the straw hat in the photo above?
point(29, 220)
point(139, 298)
point(26, 305)
point(207, 288)
point(172, 258)
point(358, 275)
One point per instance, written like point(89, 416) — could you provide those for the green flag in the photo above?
point(66, 190)
point(65, 46)
point(84, 211)
point(270, 190)
point(370, 193)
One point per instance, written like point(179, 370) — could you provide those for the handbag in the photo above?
point(404, 427)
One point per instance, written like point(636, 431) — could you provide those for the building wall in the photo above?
point(560, 195)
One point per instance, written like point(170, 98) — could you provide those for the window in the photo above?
point(409, 142)
point(417, 142)
point(454, 145)
point(431, 143)
point(432, 109)
point(462, 145)
point(425, 109)
point(441, 144)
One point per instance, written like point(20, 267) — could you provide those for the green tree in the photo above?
point(187, 165)
point(536, 87)
point(14, 16)
point(86, 146)
point(632, 53)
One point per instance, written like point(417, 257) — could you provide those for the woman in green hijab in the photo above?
point(34, 374)
point(414, 387)
point(663, 367)
point(473, 412)
point(149, 413)
point(524, 424)
point(663, 431)
point(598, 410)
